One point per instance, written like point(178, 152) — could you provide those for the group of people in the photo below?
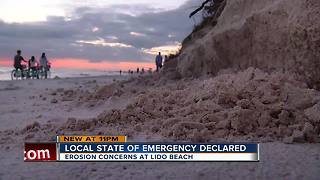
point(142, 71)
point(159, 64)
point(43, 65)
point(33, 65)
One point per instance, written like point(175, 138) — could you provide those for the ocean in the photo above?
point(5, 73)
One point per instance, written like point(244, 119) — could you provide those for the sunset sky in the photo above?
point(94, 34)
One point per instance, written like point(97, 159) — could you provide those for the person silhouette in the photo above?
point(159, 61)
point(44, 64)
point(17, 62)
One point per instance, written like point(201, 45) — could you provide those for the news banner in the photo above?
point(116, 149)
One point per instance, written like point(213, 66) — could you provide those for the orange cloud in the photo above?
point(5, 62)
point(110, 66)
point(165, 50)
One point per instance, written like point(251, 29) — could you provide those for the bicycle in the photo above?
point(16, 74)
point(45, 72)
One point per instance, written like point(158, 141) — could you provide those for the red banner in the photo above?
point(40, 152)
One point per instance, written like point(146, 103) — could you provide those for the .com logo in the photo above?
point(40, 152)
point(37, 154)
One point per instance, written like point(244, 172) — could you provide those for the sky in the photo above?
point(95, 34)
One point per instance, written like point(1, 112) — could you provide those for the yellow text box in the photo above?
point(92, 139)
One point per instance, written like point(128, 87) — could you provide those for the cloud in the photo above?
point(165, 50)
point(137, 34)
point(100, 34)
point(103, 42)
point(95, 29)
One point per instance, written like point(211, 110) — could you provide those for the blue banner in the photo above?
point(156, 148)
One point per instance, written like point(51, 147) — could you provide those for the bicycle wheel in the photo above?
point(26, 74)
point(14, 75)
point(49, 74)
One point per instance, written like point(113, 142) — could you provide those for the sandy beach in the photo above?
point(215, 72)
point(146, 109)
point(25, 102)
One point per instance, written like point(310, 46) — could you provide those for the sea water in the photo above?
point(5, 73)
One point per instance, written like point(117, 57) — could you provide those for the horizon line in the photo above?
point(84, 64)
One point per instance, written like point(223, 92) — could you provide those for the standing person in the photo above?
point(138, 70)
point(159, 61)
point(17, 62)
point(43, 65)
point(120, 72)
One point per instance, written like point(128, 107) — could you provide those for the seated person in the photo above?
point(33, 65)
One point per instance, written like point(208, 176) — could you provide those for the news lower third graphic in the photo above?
point(117, 149)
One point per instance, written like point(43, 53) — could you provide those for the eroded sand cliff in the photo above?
point(273, 35)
